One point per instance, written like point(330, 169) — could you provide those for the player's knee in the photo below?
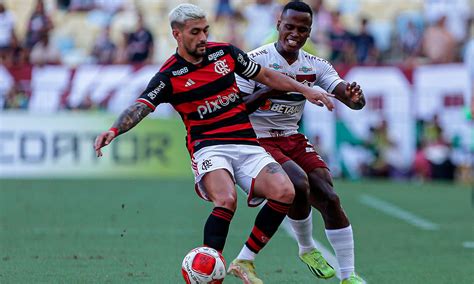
point(332, 198)
point(301, 185)
point(284, 191)
point(227, 200)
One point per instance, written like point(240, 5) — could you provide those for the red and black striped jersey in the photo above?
point(206, 96)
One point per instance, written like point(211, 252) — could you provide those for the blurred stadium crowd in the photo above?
point(346, 32)
point(137, 31)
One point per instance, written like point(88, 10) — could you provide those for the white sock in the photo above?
point(303, 230)
point(342, 242)
point(246, 254)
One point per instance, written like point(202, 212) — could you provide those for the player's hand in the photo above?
point(102, 140)
point(354, 92)
point(319, 98)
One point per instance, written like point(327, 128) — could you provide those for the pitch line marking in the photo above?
point(328, 255)
point(397, 212)
point(468, 245)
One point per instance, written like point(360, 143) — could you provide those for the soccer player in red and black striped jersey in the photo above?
point(199, 82)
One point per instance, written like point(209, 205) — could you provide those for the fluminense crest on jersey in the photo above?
point(305, 69)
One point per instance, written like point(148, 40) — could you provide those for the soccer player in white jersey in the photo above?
point(275, 123)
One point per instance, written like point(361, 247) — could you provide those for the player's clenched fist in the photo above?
point(102, 140)
point(354, 92)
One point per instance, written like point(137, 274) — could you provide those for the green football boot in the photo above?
point(353, 279)
point(245, 270)
point(317, 264)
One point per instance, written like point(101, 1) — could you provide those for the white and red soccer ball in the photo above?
point(203, 265)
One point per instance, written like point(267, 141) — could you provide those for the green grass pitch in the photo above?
point(138, 231)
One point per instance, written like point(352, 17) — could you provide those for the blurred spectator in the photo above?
point(410, 40)
point(140, 44)
point(63, 4)
point(18, 97)
point(421, 166)
point(439, 44)
point(381, 146)
point(321, 22)
point(340, 40)
point(260, 18)
point(44, 52)
point(38, 24)
point(364, 44)
point(7, 34)
point(432, 131)
point(82, 5)
point(224, 9)
point(104, 50)
point(435, 150)
point(109, 6)
point(457, 13)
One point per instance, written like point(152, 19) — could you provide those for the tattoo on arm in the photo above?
point(274, 168)
point(131, 117)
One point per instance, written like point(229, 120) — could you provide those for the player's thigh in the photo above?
point(273, 183)
point(220, 189)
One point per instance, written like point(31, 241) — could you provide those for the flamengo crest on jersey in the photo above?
point(282, 115)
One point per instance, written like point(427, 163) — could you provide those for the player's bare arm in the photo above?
point(258, 98)
point(126, 121)
point(282, 82)
point(350, 94)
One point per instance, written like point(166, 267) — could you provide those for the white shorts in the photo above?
point(243, 162)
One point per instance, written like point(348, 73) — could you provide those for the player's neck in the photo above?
point(290, 57)
point(188, 57)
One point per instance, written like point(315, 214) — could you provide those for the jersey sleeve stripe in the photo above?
point(148, 103)
point(248, 67)
point(251, 69)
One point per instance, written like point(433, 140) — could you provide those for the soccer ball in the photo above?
point(203, 265)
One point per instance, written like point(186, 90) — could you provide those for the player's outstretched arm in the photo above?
point(282, 82)
point(350, 94)
point(126, 121)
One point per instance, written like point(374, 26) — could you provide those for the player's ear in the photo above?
point(278, 25)
point(176, 34)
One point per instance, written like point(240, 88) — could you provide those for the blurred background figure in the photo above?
point(140, 44)
point(439, 44)
point(38, 25)
point(45, 52)
point(340, 41)
point(261, 21)
point(364, 44)
point(104, 50)
point(8, 39)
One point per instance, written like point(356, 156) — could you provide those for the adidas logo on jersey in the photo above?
point(189, 83)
